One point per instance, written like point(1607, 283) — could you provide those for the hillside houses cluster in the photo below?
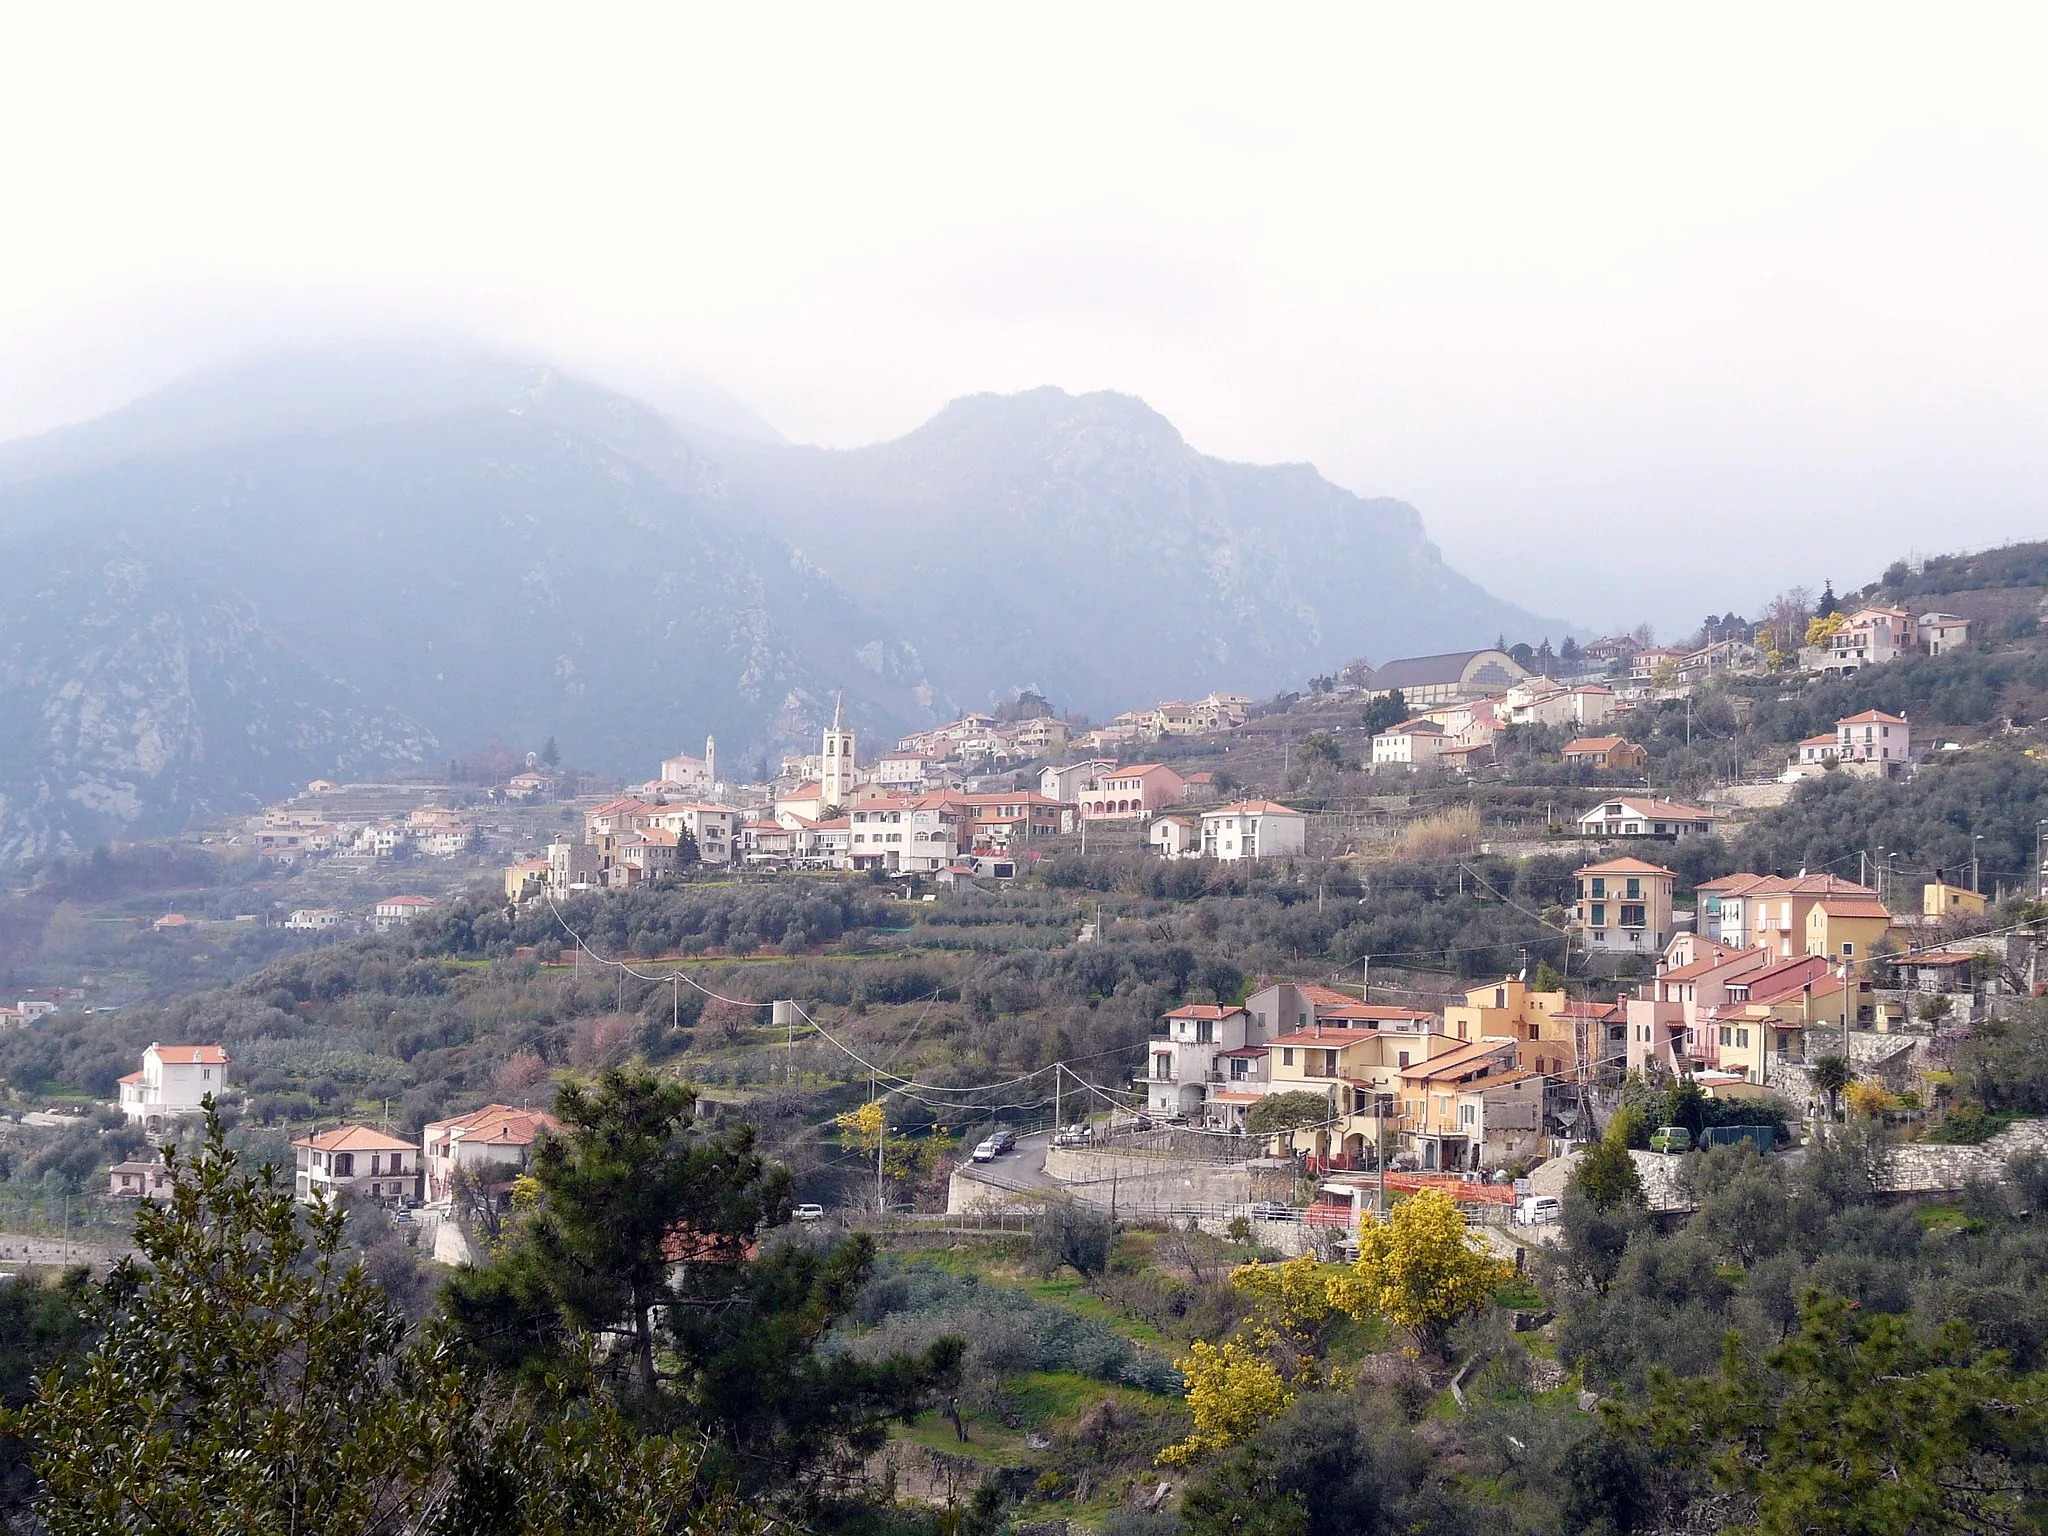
point(908, 812)
point(1480, 1084)
point(1778, 972)
point(488, 1147)
point(290, 835)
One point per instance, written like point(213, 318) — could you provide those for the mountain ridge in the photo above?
point(499, 549)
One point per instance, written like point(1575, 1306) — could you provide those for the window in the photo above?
point(1742, 1039)
point(1599, 885)
point(1635, 888)
point(1848, 948)
point(1287, 1057)
point(1632, 916)
point(1599, 918)
point(1205, 1031)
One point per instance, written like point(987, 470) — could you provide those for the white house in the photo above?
point(373, 1163)
point(1191, 1058)
point(1412, 742)
point(528, 786)
point(313, 919)
point(1873, 737)
point(1067, 782)
point(713, 828)
point(1645, 816)
point(492, 1144)
point(1941, 633)
point(1253, 829)
point(1869, 637)
point(1174, 837)
point(396, 911)
point(909, 773)
point(172, 1082)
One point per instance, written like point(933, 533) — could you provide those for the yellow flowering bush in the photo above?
point(1421, 1270)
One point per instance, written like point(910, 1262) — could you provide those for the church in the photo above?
point(683, 774)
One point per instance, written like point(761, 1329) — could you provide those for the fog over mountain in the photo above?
point(349, 563)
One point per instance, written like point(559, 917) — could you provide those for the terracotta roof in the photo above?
point(1203, 1011)
point(1872, 717)
point(191, 1055)
point(1248, 1051)
point(1235, 1098)
point(1587, 1008)
point(405, 901)
point(1316, 992)
point(1825, 739)
point(1654, 809)
point(1851, 906)
point(1138, 768)
point(1625, 867)
point(1591, 744)
point(1738, 884)
point(355, 1138)
point(129, 1077)
point(1940, 957)
point(497, 1125)
point(1717, 957)
point(1252, 808)
point(1453, 1063)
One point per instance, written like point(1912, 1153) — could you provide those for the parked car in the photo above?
point(1538, 1210)
point(1671, 1138)
point(809, 1213)
point(1273, 1210)
point(1073, 1136)
point(988, 1150)
point(1005, 1139)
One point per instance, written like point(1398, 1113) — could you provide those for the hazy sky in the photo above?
point(1649, 313)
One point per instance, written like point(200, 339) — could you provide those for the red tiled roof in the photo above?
point(497, 1125)
point(1625, 867)
point(191, 1055)
point(1852, 906)
point(355, 1138)
point(1872, 717)
point(1203, 1011)
point(1253, 808)
point(1591, 744)
point(1656, 810)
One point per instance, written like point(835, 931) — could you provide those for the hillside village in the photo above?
point(1262, 975)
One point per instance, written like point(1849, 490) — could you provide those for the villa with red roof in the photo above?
point(493, 1145)
point(374, 1164)
point(173, 1082)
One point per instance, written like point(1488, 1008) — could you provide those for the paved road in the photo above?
point(1022, 1168)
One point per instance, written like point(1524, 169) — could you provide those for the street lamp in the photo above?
point(1975, 854)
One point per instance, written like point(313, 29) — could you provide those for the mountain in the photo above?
point(218, 604)
point(349, 563)
point(1080, 546)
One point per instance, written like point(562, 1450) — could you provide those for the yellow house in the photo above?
point(1357, 1070)
point(526, 878)
point(1940, 899)
point(1846, 927)
point(1512, 1010)
point(1791, 1013)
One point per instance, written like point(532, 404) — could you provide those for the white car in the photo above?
point(988, 1151)
point(809, 1213)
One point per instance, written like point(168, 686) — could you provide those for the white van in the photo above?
point(1538, 1210)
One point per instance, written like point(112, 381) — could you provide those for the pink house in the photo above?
point(1873, 737)
point(1132, 793)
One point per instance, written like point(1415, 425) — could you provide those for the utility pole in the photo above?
point(1058, 1118)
